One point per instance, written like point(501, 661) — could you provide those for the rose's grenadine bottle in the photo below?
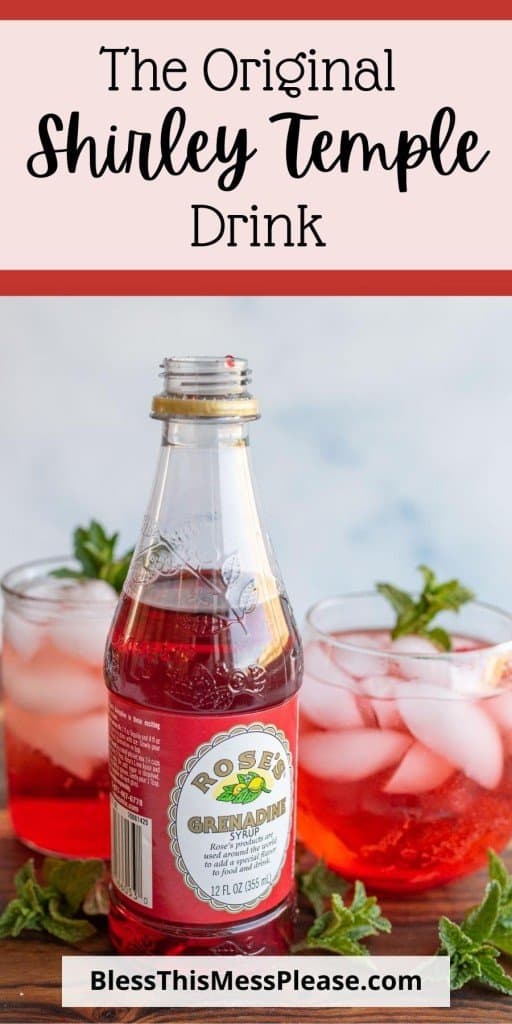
point(203, 665)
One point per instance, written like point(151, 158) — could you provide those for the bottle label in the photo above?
point(202, 810)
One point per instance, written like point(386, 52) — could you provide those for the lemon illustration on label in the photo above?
point(248, 788)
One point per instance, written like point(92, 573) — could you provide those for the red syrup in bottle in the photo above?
point(203, 665)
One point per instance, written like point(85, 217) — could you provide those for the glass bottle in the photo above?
point(203, 664)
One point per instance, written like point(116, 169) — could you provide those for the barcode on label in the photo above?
point(132, 868)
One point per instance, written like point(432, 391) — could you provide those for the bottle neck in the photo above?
point(205, 434)
point(203, 507)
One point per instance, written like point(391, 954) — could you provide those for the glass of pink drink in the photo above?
point(55, 705)
point(405, 753)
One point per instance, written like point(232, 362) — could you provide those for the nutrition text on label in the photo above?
point(135, 755)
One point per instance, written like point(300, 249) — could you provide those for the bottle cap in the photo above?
point(205, 387)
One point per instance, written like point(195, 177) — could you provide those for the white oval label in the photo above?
point(230, 816)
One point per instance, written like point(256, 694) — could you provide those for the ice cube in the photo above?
point(83, 634)
point(463, 643)
point(44, 597)
point(387, 714)
point(382, 690)
point(80, 745)
point(54, 588)
point(24, 724)
point(51, 684)
point(23, 635)
point(375, 640)
point(380, 639)
point(319, 664)
point(467, 678)
point(359, 663)
point(382, 686)
point(79, 631)
point(500, 709)
point(457, 729)
point(92, 590)
point(431, 667)
point(351, 754)
point(414, 645)
point(50, 588)
point(325, 695)
point(420, 771)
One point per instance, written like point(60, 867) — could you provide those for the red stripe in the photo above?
point(265, 10)
point(256, 282)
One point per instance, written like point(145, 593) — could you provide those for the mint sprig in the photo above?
point(96, 553)
point(58, 905)
point(414, 615)
point(470, 960)
point(476, 944)
point(319, 884)
point(472, 955)
point(501, 933)
point(341, 928)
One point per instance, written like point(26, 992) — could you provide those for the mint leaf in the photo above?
point(493, 975)
point(498, 873)
point(25, 873)
point(65, 928)
point(318, 885)
point(414, 616)
point(72, 878)
point(402, 602)
point(341, 928)
point(473, 958)
point(95, 550)
point(463, 952)
point(440, 638)
point(71, 888)
point(117, 571)
point(480, 921)
point(452, 938)
point(14, 919)
point(67, 574)
point(501, 937)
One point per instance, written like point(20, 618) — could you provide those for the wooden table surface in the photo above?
point(31, 967)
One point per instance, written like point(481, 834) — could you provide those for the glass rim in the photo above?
point(12, 590)
point(325, 635)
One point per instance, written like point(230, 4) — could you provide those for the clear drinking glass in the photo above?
point(405, 753)
point(54, 634)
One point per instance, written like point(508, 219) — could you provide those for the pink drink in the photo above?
point(405, 762)
point(56, 714)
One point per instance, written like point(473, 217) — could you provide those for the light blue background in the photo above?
point(385, 439)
